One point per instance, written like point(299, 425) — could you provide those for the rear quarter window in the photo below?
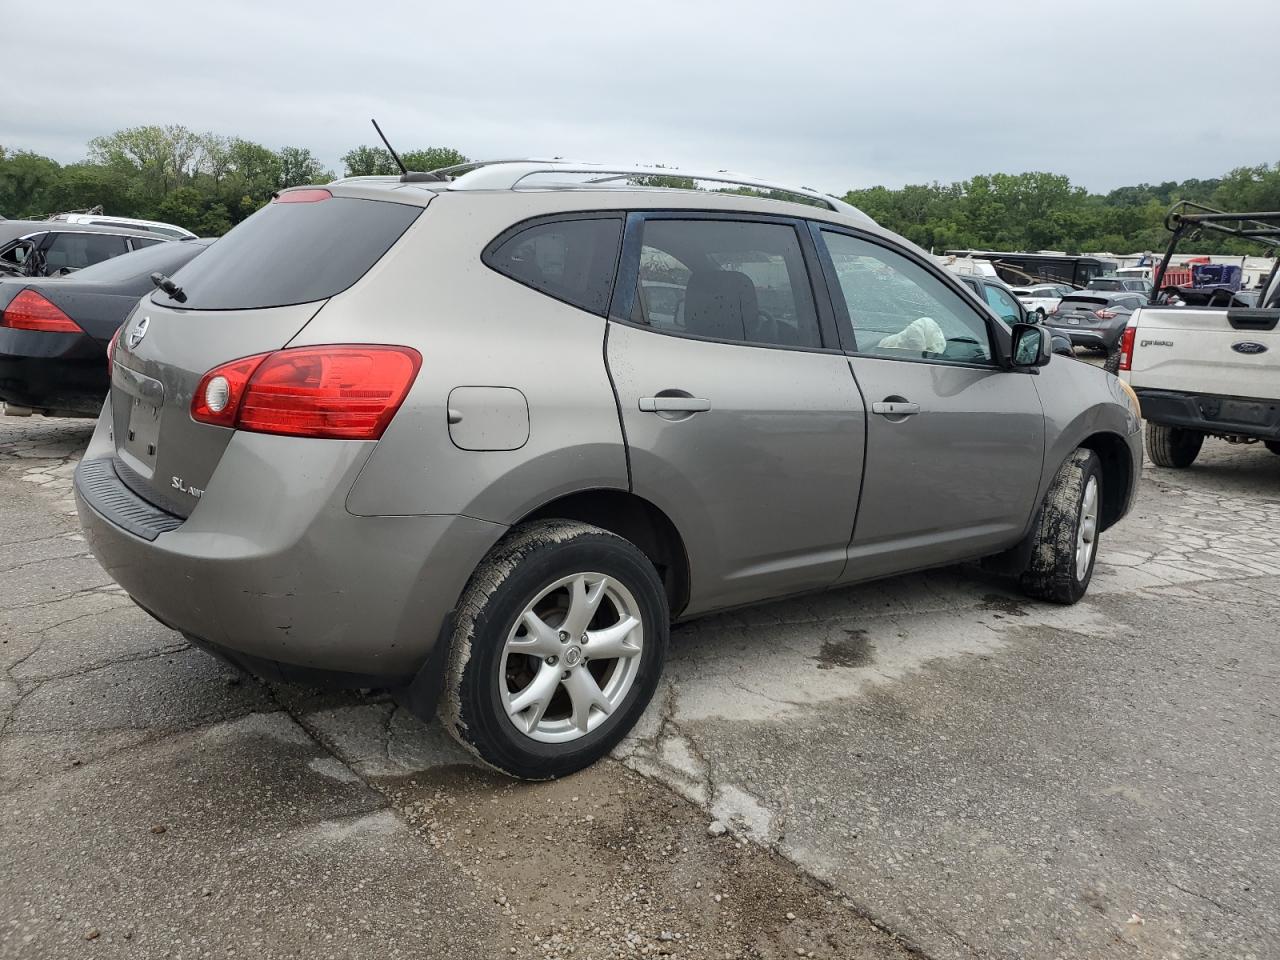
point(570, 260)
point(289, 253)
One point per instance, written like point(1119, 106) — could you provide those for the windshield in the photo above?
point(161, 257)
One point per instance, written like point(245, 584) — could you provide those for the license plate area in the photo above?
point(138, 405)
point(1239, 411)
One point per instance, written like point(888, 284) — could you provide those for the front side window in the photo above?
point(899, 309)
point(571, 260)
point(726, 280)
point(1002, 304)
point(72, 251)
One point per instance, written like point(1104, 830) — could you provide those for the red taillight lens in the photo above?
point(1104, 314)
point(1126, 347)
point(30, 311)
point(111, 347)
point(218, 396)
point(302, 196)
point(343, 392)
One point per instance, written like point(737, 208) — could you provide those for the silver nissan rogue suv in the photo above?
point(481, 435)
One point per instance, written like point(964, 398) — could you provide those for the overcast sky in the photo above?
point(829, 94)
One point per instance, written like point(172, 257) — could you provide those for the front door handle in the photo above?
point(674, 405)
point(895, 408)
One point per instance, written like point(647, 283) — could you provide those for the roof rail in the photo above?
point(510, 174)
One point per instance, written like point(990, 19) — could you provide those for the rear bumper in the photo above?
point(56, 372)
point(271, 572)
point(1210, 413)
point(1084, 337)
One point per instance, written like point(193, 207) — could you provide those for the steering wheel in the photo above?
point(1213, 297)
point(766, 326)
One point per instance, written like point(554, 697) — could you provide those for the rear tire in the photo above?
point(525, 689)
point(1112, 364)
point(1272, 445)
point(1065, 543)
point(1173, 446)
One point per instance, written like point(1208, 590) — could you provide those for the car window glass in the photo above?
point(900, 309)
point(572, 260)
point(166, 258)
point(269, 259)
point(75, 250)
point(1002, 304)
point(17, 253)
point(726, 280)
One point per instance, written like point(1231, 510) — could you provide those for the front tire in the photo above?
point(1065, 543)
point(1173, 446)
point(557, 648)
point(1272, 445)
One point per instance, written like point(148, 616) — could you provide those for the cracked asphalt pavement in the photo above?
point(930, 765)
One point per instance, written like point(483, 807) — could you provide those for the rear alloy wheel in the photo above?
point(1039, 314)
point(557, 649)
point(1173, 446)
point(1065, 543)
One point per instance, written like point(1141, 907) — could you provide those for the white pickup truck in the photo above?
point(1205, 370)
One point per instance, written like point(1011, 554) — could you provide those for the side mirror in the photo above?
point(1063, 346)
point(1031, 346)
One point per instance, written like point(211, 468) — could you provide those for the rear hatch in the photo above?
point(249, 293)
point(1231, 353)
point(1080, 310)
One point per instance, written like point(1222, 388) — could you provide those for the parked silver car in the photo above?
point(487, 433)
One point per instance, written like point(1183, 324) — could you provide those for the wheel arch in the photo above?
point(635, 519)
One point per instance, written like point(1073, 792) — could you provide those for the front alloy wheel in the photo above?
point(1087, 529)
point(1064, 544)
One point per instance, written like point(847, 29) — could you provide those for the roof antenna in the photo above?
point(405, 175)
point(390, 149)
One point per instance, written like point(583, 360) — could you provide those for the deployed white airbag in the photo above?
point(922, 336)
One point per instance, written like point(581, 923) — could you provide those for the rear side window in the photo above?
point(73, 251)
point(571, 260)
point(290, 253)
point(164, 257)
point(726, 280)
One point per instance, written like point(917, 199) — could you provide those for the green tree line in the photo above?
point(208, 183)
point(202, 181)
point(1044, 211)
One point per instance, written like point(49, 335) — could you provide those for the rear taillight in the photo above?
point(111, 348)
point(31, 311)
point(1126, 346)
point(1104, 314)
point(339, 392)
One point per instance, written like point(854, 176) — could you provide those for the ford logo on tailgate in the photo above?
point(1249, 346)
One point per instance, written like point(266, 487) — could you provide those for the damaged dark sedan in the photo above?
point(54, 331)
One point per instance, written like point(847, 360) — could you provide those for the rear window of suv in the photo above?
point(290, 253)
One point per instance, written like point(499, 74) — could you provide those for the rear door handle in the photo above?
point(674, 405)
point(895, 408)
